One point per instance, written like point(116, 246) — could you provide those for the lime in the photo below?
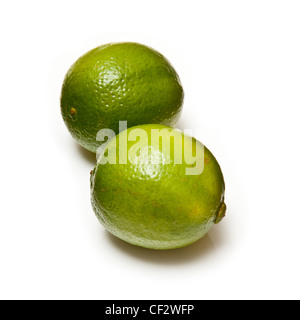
point(119, 82)
point(158, 188)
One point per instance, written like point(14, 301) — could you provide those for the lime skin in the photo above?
point(119, 82)
point(157, 205)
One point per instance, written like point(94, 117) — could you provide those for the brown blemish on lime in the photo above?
point(133, 193)
point(73, 111)
point(196, 211)
point(155, 204)
point(206, 160)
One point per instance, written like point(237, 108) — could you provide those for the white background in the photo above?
point(239, 62)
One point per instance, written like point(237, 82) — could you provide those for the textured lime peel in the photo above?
point(157, 206)
point(119, 82)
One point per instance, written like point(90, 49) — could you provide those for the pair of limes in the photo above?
point(153, 186)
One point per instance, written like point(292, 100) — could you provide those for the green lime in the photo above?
point(119, 82)
point(158, 188)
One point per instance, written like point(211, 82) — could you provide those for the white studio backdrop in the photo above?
point(239, 65)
